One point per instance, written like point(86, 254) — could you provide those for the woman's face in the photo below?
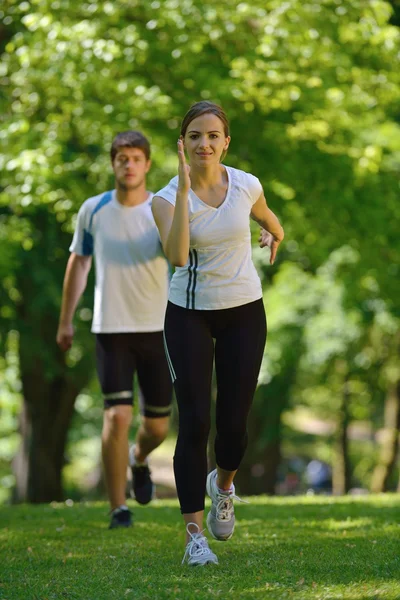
point(205, 140)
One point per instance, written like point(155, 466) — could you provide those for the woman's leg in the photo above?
point(189, 348)
point(239, 349)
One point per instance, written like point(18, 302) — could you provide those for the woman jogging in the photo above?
point(215, 296)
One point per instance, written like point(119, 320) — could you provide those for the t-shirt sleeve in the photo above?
point(82, 242)
point(254, 187)
point(169, 191)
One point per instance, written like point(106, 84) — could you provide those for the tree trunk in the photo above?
point(341, 464)
point(259, 476)
point(49, 384)
point(48, 406)
point(259, 468)
point(390, 443)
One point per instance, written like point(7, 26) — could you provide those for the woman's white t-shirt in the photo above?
point(219, 272)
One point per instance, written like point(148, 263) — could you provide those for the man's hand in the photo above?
point(65, 334)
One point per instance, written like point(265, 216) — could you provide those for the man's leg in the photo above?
point(115, 367)
point(155, 406)
point(116, 423)
point(151, 433)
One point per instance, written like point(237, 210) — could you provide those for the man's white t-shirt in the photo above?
point(132, 273)
point(219, 272)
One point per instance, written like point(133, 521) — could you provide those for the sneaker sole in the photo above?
point(153, 495)
point(208, 483)
point(120, 526)
point(202, 564)
point(219, 539)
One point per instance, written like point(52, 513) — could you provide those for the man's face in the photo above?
point(130, 166)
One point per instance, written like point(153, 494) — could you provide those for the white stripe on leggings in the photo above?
point(171, 368)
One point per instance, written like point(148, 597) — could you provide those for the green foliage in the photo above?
point(313, 100)
point(316, 340)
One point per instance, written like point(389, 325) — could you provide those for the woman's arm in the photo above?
point(173, 222)
point(173, 226)
point(268, 221)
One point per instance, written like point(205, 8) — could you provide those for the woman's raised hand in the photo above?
point(183, 169)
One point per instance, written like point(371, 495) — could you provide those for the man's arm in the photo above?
point(75, 280)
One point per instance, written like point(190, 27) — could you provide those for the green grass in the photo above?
point(302, 548)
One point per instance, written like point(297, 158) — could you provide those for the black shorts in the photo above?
point(119, 356)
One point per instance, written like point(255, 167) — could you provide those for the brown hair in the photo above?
point(130, 139)
point(201, 108)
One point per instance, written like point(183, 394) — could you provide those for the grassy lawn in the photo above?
point(302, 548)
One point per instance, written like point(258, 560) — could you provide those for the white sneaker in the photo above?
point(221, 518)
point(197, 551)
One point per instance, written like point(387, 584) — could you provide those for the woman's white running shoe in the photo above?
point(197, 551)
point(221, 518)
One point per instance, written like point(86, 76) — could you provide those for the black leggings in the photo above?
point(240, 335)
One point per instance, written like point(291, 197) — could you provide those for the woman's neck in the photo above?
point(207, 177)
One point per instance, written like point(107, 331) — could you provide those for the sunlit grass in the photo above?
point(300, 547)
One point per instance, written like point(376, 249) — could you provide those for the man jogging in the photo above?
point(131, 291)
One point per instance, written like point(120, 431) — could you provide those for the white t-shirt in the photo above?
point(219, 272)
point(132, 273)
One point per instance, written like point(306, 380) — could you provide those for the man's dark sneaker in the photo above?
point(142, 486)
point(121, 517)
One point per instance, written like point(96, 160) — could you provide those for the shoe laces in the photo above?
point(197, 545)
point(224, 506)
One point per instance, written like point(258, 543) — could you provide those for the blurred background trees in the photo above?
point(312, 90)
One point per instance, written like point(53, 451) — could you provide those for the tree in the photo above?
point(389, 450)
point(312, 93)
point(50, 380)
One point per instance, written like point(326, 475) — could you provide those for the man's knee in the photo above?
point(155, 428)
point(118, 418)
